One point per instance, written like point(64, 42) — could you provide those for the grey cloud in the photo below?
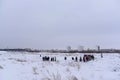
point(58, 23)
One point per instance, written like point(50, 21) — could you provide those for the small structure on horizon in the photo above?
point(80, 48)
point(69, 48)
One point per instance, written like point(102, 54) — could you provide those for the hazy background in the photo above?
point(47, 24)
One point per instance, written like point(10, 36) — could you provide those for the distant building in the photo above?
point(69, 48)
point(80, 48)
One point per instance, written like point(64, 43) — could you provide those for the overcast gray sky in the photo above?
point(47, 24)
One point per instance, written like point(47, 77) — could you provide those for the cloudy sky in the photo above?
point(47, 24)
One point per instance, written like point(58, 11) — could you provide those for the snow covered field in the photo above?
point(29, 66)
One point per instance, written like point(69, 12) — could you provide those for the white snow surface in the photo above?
point(29, 66)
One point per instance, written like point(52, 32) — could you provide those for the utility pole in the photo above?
point(98, 47)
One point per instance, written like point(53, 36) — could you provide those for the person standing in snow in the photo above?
point(80, 59)
point(72, 58)
point(84, 58)
point(76, 59)
point(65, 58)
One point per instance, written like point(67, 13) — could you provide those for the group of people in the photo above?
point(88, 58)
point(76, 59)
point(85, 58)
point(47, 58)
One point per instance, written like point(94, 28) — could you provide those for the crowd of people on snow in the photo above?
point(85, 58)
point(47, 58)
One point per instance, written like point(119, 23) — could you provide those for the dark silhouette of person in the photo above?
point(65, 58)
point(80, 59)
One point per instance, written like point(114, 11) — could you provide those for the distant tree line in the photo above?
point(20, 50)
point(64, 51)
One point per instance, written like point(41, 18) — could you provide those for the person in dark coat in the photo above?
point(76, 59)
point(80, 59)
point(65, 58)
point(84, 58)
point(72, 58)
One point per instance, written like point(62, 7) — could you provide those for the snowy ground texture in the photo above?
point(29, 66)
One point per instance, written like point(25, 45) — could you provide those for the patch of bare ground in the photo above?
point(53, 76)
point(20, 60)
point(10, 58)
point(73, 78)
point(35, 71)
point(56, 76)
point(46, 79)
point(1, 67)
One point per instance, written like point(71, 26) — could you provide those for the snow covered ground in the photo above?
point(29, 66)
